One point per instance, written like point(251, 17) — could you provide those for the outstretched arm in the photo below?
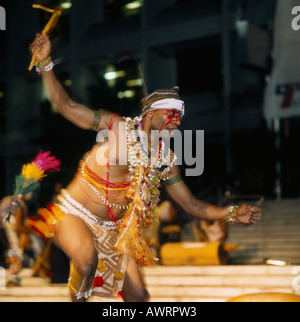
point(180, 192)
point(76, 113)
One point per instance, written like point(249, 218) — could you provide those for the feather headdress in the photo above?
point(32, 173)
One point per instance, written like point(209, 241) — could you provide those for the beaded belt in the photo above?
point(70, 206)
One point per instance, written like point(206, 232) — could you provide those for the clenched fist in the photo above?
point(43, 45)
point(248, 214)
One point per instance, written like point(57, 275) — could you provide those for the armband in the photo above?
point(45, 65)
point(171, 181)
point(231, 218)
point(97, 120)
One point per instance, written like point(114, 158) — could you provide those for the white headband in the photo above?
point(167, 103)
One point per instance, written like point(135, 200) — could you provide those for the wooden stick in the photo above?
point(50, 25)
point(38, 6)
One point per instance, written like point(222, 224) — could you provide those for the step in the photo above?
point(289, 248)
point(34, 291)
point(32, 299)
point(225, 270)
point(249, 251)
point(220, 281)
point(285, 202)
point(173, 284)
point(293, 234)
point(277, 236)
point(268, 230)
point(261, 257)
point(204, 292)
point(154, 290)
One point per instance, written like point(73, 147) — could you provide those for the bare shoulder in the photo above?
point(105, 119)
point(109, 120)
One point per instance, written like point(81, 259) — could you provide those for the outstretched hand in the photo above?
point(43, 45)
point(248, 214)
point(10, 204)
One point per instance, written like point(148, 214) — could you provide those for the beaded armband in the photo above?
point(231, 218)
point(97, 120)
point(14, 252)
point(45, 65)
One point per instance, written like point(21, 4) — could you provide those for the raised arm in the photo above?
point(180, 192)
point(76, 113)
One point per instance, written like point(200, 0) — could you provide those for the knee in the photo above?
point(86, 265)
point(87, 269)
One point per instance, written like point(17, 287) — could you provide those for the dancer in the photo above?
point(16, 206)
point(97, 219)
point(13, 257)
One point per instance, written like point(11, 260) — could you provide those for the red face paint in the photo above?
point(173, 116)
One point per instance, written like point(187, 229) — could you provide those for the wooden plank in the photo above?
point(176, 284)
point(228, 270)
point(198, 291)
point(237, 281)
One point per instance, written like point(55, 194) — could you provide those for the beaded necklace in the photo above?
point(101, 187)
point(154, 163)
point(147, 168)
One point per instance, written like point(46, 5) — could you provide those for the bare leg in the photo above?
point(134, 288)
point(75, 239)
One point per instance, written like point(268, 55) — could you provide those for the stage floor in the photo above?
point(174, 284)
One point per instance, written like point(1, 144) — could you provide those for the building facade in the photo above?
point(217, 52)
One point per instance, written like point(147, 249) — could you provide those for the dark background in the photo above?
point(194, 44)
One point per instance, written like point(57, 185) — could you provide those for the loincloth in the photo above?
point(111, 270)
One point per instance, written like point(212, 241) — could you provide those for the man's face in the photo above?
point(166, 119)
